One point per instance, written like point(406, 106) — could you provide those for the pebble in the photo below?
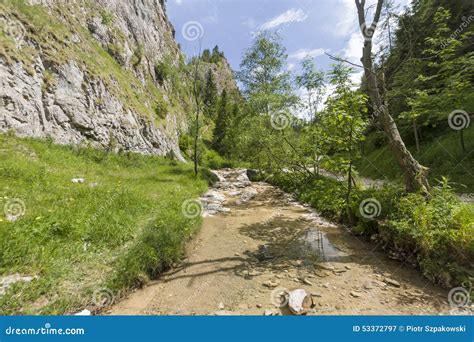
point(356, 294)
point(270, 284)
point(392, 282)
point(326, 266)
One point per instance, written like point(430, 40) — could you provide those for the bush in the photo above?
point(162, 72)
point(213, 160)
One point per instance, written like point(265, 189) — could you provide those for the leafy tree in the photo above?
point(266, 85)
point(416, 175)
point(344, 124)
point(312, 81)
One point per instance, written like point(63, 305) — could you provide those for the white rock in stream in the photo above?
point(299, 301)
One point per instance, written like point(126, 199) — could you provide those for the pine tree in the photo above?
point(210, 95)
point(222, 122)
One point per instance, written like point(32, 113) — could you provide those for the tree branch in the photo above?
point(339, 59)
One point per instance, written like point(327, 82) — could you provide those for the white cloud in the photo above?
point(345, 18)
point(178, 2)
point(290, 16)
point(302, 53)
point(249, 22)
point(353, 49)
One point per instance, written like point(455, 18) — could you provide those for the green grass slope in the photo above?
point(442, 154)
point(87, 242)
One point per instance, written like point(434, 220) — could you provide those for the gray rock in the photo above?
point(392, 282)
point(76, 107)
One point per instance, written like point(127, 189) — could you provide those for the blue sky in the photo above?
point(306, 26)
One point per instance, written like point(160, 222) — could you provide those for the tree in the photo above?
point(206, 55)
point(416, 175)
point(216, 55)
point(344, 124)
point(197, 94)
point(266, 85)
point(312, 81)
point(222, 123)
point(210, 95)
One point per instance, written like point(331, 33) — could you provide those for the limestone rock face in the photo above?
point(48, 89)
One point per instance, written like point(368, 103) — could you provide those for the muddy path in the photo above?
point(256, 241)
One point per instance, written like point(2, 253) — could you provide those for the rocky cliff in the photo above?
point(84, 71)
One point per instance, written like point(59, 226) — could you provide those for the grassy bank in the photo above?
point(436, 235)
point(442, 153)
point(86, 243)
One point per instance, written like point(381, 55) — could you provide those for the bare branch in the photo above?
point(339, 59)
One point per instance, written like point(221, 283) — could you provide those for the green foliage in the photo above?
point(312, 81)
point(214, 161)
point(137, 56)
point(212, 57)
point(440, 230)
point(81, 237)
point(161, 108)
point(107, 18)
point(442, 154)
point(210, 96)
point(162, 72)
point(266, 85)
point(222, 123)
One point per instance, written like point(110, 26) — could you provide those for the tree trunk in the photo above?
point(415, 174)
point(417, 138)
